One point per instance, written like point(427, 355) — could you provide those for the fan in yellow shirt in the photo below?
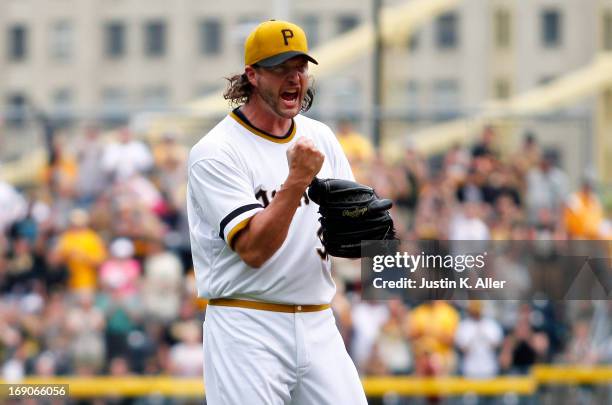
point(584, 216)
point(82, 250)
point(357, 147)
point(432, 330)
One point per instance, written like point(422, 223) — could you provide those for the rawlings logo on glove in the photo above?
point(355, 213)
point(350, 213)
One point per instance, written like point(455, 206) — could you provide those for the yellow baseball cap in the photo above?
point(273, 42)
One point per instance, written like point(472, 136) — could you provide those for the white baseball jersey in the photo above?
point(234, 172)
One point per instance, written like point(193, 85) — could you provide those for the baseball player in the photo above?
point(269, 336)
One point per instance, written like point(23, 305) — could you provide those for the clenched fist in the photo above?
point(305, 160)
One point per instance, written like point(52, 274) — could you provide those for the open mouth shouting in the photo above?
point(290, 97)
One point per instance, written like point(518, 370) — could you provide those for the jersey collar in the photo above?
point(237, 115)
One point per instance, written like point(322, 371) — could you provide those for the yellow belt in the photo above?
point(267, 306)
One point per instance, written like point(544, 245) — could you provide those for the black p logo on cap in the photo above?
point(286, 35)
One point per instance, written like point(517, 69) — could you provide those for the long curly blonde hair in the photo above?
point(239, 90)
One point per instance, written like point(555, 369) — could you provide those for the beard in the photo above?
point(273, 101)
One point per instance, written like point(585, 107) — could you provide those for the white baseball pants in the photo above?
point(261, 357)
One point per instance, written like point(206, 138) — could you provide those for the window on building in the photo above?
point(62, 102)
point(241, 31)
point(346, 94)
point(446, 96)
point(551, 28)
point(204, 90)
point(414, 41)
point(413, 91)
point(15, 109)
point(502, 28)
point(114, 39)
point(447, 31)
point(347, 23)
point(210, 37)
point(607, 31)
point(114, 105)
point(17, 43)
point(155, 38)
point(607, 100)
point(310, 24)
point(61, 40)
point(155, 97)
point(546, 79)
point(502, 89)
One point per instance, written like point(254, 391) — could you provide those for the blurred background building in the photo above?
point(124, 55)
point(107, 60)
point(495, 122)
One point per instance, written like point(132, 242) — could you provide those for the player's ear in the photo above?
point(250, 73)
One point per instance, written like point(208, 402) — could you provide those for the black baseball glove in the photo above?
point(350, 213)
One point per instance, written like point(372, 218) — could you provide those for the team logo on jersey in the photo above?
point(266, 196)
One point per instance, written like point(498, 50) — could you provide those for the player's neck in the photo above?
point(261, 118)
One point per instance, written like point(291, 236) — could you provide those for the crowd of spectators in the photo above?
point(96, 278)
point(95, 274)
point(474, 193)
